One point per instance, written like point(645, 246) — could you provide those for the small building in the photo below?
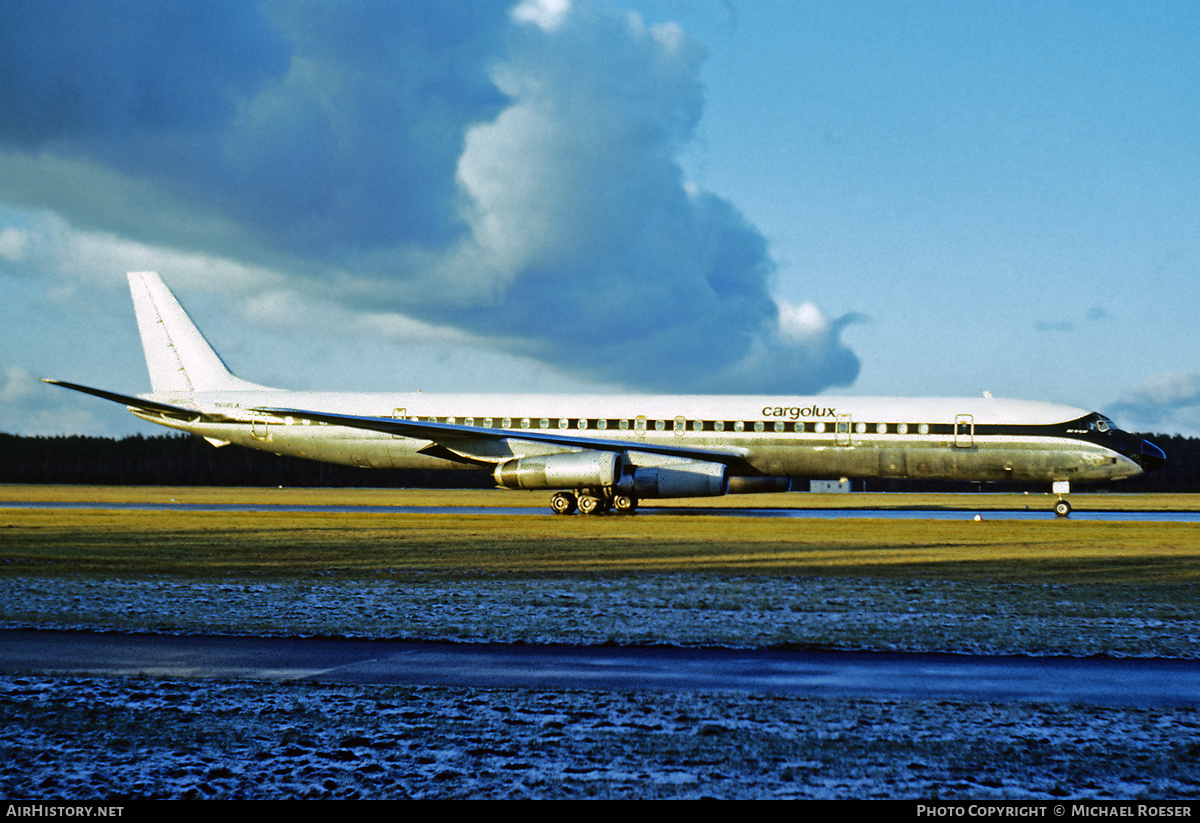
point(828, 486)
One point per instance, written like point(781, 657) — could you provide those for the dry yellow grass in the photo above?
point(132, 543)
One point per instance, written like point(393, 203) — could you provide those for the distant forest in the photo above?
point(185, 460)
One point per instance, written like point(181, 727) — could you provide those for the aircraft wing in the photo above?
point(453, 436)
point(139, 404)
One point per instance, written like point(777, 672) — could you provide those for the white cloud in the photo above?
point(504, 174)
point(545, 14)
point(1167, 403)
point(13, 242)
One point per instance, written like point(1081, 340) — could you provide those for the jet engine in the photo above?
point(759, 485)
point(573, 470)
point(688, 478)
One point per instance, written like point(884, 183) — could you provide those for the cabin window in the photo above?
point(698, 425)
point(563, 423)
point(524, 422)
point(602, 423)
point(583, 423)
point(758, 426)
point(923, 428)
point(487, 422)
point(779, 425)
point(902, 428)
point(545, 423)
point(861, 428)
point(506, 423)
point(623, 424)
point(881, 428)
point(719, 426)
point(799, 427)
point(819, 428)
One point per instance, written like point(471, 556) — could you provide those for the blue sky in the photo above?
point(874, 198)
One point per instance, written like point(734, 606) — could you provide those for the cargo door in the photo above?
point(964, 431)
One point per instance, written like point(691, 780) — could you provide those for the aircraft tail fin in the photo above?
point(177, 355)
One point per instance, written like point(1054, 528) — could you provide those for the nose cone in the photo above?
point(1149, 456)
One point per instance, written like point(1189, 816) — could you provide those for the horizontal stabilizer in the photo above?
point(134, 402)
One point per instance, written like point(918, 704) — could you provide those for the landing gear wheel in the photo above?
point(1062, 508)
point(588, 504)
point(625, 504)
point(562, 503)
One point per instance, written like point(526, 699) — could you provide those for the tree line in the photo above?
point(186, 460)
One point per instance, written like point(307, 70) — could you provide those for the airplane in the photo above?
point(600, 453)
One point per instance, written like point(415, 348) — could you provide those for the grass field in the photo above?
point(105, 543)
point(1043, 586)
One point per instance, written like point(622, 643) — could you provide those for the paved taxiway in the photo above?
point(544, 511)
point(1123, 682)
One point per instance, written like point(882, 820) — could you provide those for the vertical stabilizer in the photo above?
point(178, 356)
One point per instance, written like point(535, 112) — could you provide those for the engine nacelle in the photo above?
point(759, 485)
point(573, 470)
point(689, 478)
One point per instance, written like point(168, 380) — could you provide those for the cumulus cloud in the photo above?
point(1164, 403)
point(509, 172)
point(579, 214)
point(322, 129)
point(12, 243)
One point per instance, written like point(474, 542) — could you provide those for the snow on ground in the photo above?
point(133, 738)
point(114, 738)
point(686, 610)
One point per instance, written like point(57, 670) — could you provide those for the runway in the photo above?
point(663, 511)
point(1113, 682)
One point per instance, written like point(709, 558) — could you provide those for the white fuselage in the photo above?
point(983, 439)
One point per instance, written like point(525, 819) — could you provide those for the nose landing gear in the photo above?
point(1061, 487)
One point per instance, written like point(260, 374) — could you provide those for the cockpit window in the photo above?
point(1100, 423)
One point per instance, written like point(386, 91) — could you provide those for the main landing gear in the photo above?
point(1062, 508)
point(586, 502)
